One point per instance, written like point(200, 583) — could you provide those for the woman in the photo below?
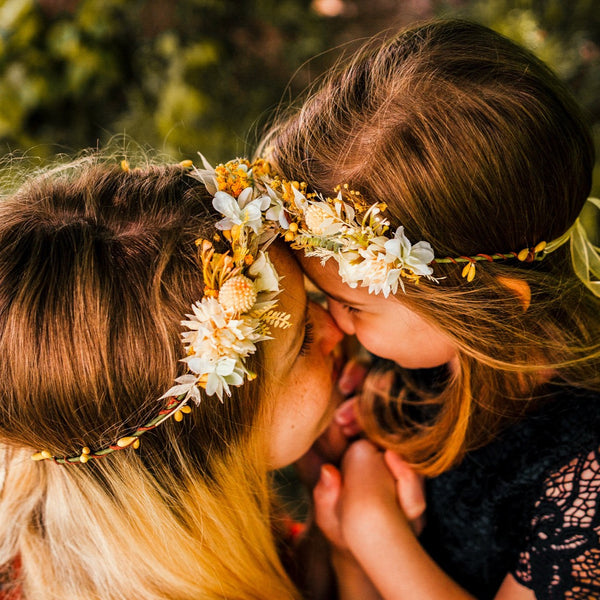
point(99, 264)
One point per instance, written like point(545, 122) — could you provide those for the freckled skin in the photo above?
point(303, 384)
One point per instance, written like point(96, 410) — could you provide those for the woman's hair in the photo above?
point(97, 269)
point(476, 147)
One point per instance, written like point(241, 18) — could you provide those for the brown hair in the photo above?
point(97, 269)
point(477, 147)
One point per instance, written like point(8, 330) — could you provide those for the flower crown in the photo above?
point(356, 234)
point(241, 285)
point(237, 311)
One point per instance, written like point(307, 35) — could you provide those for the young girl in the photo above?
point(139, 488)
point(462, 251)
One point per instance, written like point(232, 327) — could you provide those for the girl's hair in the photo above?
point(97, 269)
point(476, 147)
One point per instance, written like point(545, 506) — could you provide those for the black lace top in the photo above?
point(526, 504)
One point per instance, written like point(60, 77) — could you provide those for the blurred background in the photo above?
point(189, 75)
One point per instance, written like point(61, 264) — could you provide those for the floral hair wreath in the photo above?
point(241, 285)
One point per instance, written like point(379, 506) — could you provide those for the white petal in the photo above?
point(299, 199)
point(273, 213)
point(264, 202)
point(226, 205)
point(225, 366)
point(177, 390)
point(283, 220)
point(266, 278)
point(194, 394)
point(393, 251)
point(423, 252)
point(235, 379)
point(214, 385)
point(245, 197)
point(205, 162)
point(186, 379)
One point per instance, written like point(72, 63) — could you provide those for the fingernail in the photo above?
point(326, 478)
point(344, 415)
point(345, 384)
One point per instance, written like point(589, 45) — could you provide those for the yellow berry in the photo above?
point(471, 274)
point(469, 271)
point(523, 254)
point(126, 441)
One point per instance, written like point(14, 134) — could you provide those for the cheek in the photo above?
point(374, 336)
point(410, 347)
point(306, 406)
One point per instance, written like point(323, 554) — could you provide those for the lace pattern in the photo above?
point(562, 556)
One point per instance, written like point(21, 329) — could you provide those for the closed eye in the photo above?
point(308, 338)
point(350, 309)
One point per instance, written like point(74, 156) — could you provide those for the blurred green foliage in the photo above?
point(175, 75)
point(206, 74)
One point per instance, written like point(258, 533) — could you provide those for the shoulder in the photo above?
point(565, 425)
point(484, 514)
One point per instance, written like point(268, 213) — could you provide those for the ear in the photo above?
point(520, 288)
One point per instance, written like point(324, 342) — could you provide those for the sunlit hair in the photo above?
point(477, 147)
point(97, 269)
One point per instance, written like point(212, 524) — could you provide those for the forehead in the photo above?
point(291, 300)
point(326, 277)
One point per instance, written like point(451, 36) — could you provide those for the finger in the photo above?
point(326, 497)
point(345, 417)
point(352, 377)
point(409, 485)
point(365, 473)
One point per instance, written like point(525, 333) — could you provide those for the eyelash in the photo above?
point(308, 338)
point(350, 309)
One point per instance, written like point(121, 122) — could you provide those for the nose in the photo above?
point(342, 318)
point(329, 334)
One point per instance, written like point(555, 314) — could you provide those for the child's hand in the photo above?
point(365, 495)
point(352, 379)
point(410, 488)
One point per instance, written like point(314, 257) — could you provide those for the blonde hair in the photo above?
point(476, 147)
point(97, 269)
